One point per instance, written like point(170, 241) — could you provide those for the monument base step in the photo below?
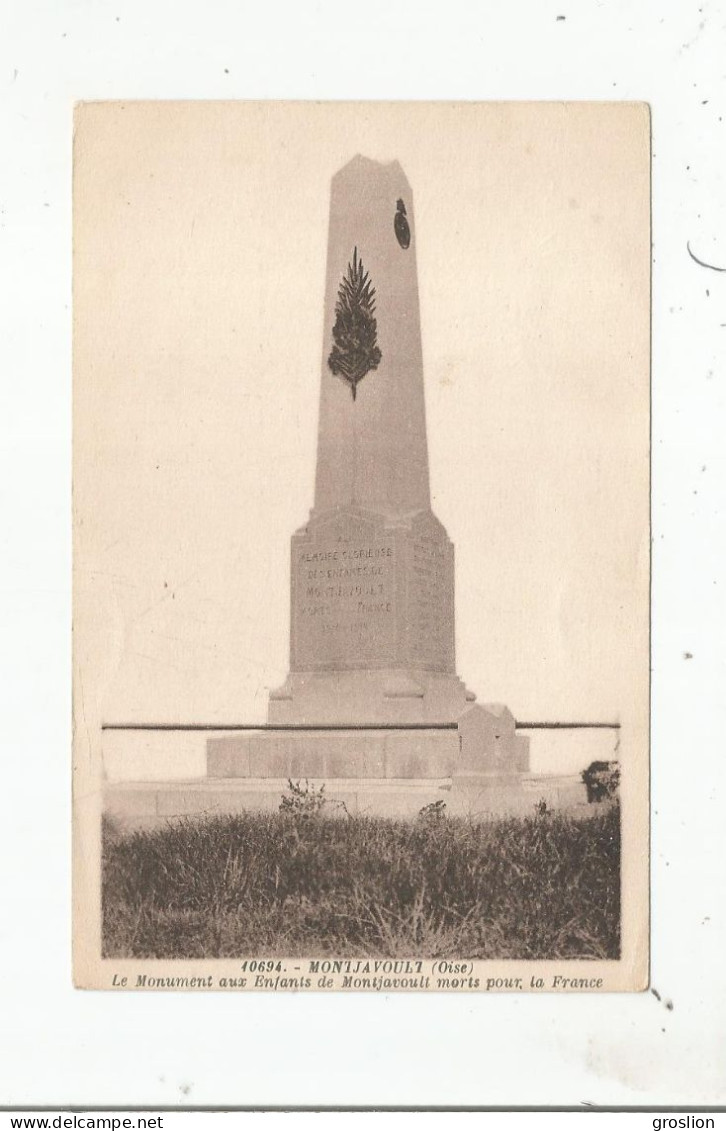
point(377, 696)
point(335, 753)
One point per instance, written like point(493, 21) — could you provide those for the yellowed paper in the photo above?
point(512, 315)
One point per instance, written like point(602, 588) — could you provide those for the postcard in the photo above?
point(361, 546)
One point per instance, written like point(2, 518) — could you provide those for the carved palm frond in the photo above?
point(355, 351)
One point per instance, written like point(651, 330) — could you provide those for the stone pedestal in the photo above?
point(372, 622)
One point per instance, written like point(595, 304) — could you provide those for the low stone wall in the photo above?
point(152, 804)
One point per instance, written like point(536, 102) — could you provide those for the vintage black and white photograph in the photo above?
point(361, 545)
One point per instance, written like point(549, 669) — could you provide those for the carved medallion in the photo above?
point(400, 225)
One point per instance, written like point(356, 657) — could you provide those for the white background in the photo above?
point(62, 1046)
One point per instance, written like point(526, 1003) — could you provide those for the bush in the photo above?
point(302, 801)
point(434, 811)
point(602, 780)
point(305, 801)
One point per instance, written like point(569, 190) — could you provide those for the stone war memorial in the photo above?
point(373, 707)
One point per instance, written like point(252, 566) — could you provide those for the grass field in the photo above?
point(295, 885)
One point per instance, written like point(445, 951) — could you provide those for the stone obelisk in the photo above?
point(372, 707)
point(372, 571)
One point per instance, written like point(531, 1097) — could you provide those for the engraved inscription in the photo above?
point(431, 610)
point(344, 612)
